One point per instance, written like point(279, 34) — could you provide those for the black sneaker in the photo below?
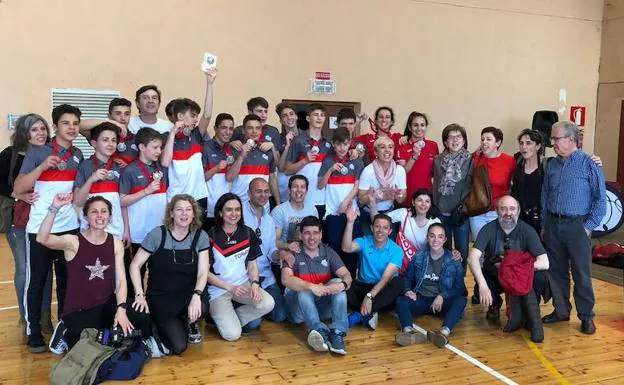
point(194, 334)
point(57, 343)
point(36, 344)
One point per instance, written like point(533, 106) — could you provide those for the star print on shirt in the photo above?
point(97, 270)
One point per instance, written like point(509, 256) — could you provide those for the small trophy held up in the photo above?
point(209, 62)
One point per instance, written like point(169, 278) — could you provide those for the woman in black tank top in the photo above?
point(96, 279)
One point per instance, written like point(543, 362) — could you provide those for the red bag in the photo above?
point(409, 250)
point(21, 211)
point(516, 272)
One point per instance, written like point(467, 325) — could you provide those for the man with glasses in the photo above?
point(494, 241)
point(258, 218)
point(573, 200)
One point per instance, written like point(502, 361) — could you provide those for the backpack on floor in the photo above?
point(125, 364)
point(610, 254)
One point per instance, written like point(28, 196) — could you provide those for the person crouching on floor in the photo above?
point(434, 285)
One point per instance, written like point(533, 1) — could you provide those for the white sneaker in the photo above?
point(318, 341)
point(373, 321)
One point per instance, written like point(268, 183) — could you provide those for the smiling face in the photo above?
point(182, 214)
point(385, 151)
point(455, 141)
point(225, 130)
point(382, 228)
point(261, 112)
point(527, 147)
point(422, 204)
point(288, 118)
point(148, 102)
point(298, 191)
point(383, 120)
point(37, 135)
point(311, 237)
point(231, 212)
point(98, 215)
point(120, 114)
point(252, 130)
point(189, 118)
point(106, 143)
point(436, 236)
point(316, 119)
point(68, 127)
point(259, 193)
point(418, 128)
point(489, 144)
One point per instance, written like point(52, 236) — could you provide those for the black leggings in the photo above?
point(173, 331)
point(384, 300)
point(101, 317)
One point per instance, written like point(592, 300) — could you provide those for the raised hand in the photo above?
point(50, 162)
point(211, 75)
point(62, 199)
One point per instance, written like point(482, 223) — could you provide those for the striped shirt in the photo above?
point(574, 187)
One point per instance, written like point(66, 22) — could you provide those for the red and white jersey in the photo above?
point(186, 173)
point(108, 189)
point(51, 182)
point(149, 211)
point(298, 150)
point(258, 164)
point(340, 183)
point(217, 185)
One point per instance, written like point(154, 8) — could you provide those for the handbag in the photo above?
point(409, 249)
point(6, 203)
point(479, 200)
point(458, 216)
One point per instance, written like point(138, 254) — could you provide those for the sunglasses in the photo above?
point(259, 235)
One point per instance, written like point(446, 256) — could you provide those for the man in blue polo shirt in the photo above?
point(378, 284)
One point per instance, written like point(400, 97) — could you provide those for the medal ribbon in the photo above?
point(55, 151)
point(96, 163)
point(146, 174)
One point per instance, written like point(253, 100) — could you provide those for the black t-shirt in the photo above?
point(491, 241)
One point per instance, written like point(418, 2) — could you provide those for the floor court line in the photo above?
point(547, 364)
point(475, 362)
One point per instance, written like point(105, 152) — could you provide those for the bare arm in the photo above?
point(138, 261)
point(252, 270)
point(348, 245)
point(274, 188)
point(475, 266)
point(294, 283)
point(208, 101)
point(56, 242)
point(345, 276)
point(363, 197)
point(213, 171)
point(387, 276)
point(167, 155)
point(291, 168)
point(121, 286)
point(234, 169)
point(203, 266)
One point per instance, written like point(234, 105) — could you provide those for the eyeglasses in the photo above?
point(556, 139)
point(259, 235)
point(454, 138)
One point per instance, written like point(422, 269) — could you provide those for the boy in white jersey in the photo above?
point(143, 186)
point(340, 175)
point(306, 154)
point(50, 170)
point(99, 175)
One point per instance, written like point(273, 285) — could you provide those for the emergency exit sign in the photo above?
point(322, 75)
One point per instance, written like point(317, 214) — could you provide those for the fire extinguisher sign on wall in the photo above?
point(577, 115)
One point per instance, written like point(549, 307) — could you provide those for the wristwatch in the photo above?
point(256, 281)
point(345, 285)
point(198, 292)
point(369, 295)
point(123, 305)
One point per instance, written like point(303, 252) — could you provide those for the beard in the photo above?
point(507, 224)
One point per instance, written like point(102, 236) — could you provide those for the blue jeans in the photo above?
point(303, 306)
point(458, 237)
point(278, 314)
point(452, 310)
point(17, 241)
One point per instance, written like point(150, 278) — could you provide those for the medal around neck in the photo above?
point(344, 170)
point(187, 131)
point(62, 165)
point(420, 144)
point(157, 175)
point(110, 175)
point(315, 149)
point(209, 62)
point(121, 147)
point(251, 143)
point(230, 159)
point(359, 147)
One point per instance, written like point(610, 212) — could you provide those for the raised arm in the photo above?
point(348, 245)
point(51, 241)
point(211, 75)
point(167, 155)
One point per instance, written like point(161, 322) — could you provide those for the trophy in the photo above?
point(209, 62)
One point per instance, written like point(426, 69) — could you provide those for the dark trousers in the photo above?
point(38, 261)
point(172, 331)
point(490, 273)
point(384, 300)
point(452, 309)
point(335, 229)
point(100, 317)
point(128, 255)
point(569, 248)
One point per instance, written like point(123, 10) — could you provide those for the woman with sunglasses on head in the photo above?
point(234, 276)
point(177, 258)
point(30, 130)
point(416, 153)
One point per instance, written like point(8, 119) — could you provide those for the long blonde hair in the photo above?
point(195, 223)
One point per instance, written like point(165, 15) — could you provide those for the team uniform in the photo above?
point(421, 174)
point(257, 164)
point(298, 150)
point(38, 258)
point(216, 186)
point(107, 188)
point(268, 134)
point(127, 150)
point(368, 140)
point(186, 173)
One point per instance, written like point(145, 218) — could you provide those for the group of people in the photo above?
point(256, 222)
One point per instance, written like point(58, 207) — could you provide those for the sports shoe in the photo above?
point(57, 344)
point(319, 340)
point(36, 344)
point(437, 338)
point(154, 347)
point(409, 336)
point(194, 334)
point(336, 342)
point(371, 320)
point(355, 318)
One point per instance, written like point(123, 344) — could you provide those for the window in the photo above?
point(92, 103)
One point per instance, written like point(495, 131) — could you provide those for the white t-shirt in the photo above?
point(161, 125)
point(368, 180)
point(415, 234)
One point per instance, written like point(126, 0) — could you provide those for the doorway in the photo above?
point(331, 112)
point(620, 168)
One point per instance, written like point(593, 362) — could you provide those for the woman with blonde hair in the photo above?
point(177, 257)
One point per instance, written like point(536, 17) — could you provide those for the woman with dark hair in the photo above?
point(452, 181)
point(30, 130)
point(96, 278)
point(234, 277)
point(417, 154)
point(414, 220)
point(177, 258)
point(527, 179)
point(380, 127)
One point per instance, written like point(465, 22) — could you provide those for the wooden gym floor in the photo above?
point(278, 354)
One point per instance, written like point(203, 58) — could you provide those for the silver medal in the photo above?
point(359, 147)
point(344, 170)
point(251, 143)
point(110, 175)
point(315, 150)
point(121, 147)
point(157, 175)
point(187, 131)
point(420, 144)
point(62, 165)
point(230, 159)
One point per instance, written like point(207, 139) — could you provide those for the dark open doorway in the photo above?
point(331, 111)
